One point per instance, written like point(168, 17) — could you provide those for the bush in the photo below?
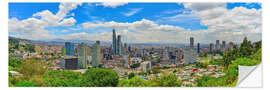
point(63, 78)
point(136, 82)
point(131, 75)
point(32, 67)
point(99, 77)
point(25, 84)
point(169, 80)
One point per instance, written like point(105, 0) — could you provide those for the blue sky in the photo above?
point(160, 13)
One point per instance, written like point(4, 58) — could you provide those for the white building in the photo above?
point(145, 66)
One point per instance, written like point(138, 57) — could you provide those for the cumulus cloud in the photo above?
point(112, 4)
point(33, 28)
point(223, 24)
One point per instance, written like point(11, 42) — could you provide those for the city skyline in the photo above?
point(137, 22)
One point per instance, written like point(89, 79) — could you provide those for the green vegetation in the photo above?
point(168, 80)
point(136, 82)
point(63, 78)
point(13, 63)
point(246, 55)
point(99, 77)
point(131, 75)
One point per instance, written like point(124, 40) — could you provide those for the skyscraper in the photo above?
point(114, 43)
point(69, 48)
point(191, 42)
point(217, 45)
point(211, 46)
point(95, 51)
point(82, 55)
point(119, 45)
point(198, 48)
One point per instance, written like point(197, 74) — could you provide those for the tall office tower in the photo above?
point(191, 42)
point(119, 45)
point(69, 48)
point(125, 49)
point(114, 42)
point(190, 55)
point(223, 46)
point(95, 51)
point(217, 45)
point(82, 55)
point(198, 48)
point(230, 46)
point(211, 47)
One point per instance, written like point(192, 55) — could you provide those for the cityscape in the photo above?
point(120, 59)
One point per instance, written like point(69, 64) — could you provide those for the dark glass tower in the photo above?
point(119, 45)
point(114, 43)
point(198, 48)
point(191, 42)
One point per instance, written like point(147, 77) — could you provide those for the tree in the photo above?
point(131, 75)
point(136, 82)
point(25, 84)
point(246, 48)
point(169, 80)
point(99, 77)
point(32, 67)
point(63, 78)
point(14, 63)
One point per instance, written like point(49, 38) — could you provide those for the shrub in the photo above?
point(99, 77)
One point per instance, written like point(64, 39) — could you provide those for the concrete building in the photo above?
point(69, 63)
point(190, 55)
point(211, 47)
point(96, 57)
point(83, 55)
point(217, 45)
point(145, 66)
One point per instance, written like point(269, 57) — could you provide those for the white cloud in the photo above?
point(132, 12)
point(112, 4)
point(33, 28)
point(223, 24)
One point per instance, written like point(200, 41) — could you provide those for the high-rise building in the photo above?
point(223, 46)
point(95, 51)
point(125, 48)
point(190, 55)
point(198, 48)
point(217, 45)
point(191, 42)
point(69, 63)
point(119, 45)
point(211, 46)
point(83, 55)
point(114, 42)
point(69, 48)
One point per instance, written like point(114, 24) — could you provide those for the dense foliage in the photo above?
point(136, 82)
point(13, 63)
point(99, 77)
point(63, 78)
point(246, 55)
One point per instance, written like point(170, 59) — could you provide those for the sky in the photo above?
point(136, 22)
